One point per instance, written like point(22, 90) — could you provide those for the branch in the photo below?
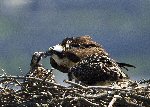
point(114, 100)
point(107, 88)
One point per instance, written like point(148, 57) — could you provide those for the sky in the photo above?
point(120, 26)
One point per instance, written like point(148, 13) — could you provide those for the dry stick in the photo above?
point(11, 80)
point(47, 82)
point(93, 96)
point(46, 77)
point(137, 97)
point(140, 97)
point(19, 84)
point(86, 101)
point(15, 77)
point(89, 102)
point(144, 81)
point(75, 84)
point(97, 87)
point(33, 78)
point(99, 96)
point(130, 104)
point(113, 100)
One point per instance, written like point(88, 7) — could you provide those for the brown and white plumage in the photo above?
point(86, 61)
point(95, 68)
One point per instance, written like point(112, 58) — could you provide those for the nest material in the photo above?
point(39, 89)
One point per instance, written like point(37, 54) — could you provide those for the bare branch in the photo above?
point(114, 100)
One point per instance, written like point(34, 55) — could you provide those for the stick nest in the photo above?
point(39, 89)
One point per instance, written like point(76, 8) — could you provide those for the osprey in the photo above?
point(86, 61)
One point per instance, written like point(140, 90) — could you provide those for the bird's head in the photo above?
point(79, 43)
point(36, 57)
point(71, 50)
point(74, 49)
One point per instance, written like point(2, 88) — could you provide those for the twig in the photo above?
point(33, 78)
point(140, 97)
point(144, 81)
point(130, 104)
point(89, 102)
point(75, 84)
point(46, 77)
point(15, 77)
point(97, 87)
point(97, 96)
point(114, 100)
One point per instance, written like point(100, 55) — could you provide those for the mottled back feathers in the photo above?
point(96, 68)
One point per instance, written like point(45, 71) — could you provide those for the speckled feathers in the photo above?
point(96, 68)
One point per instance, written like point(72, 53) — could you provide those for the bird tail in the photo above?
point(125, 65)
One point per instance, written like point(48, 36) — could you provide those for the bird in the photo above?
point(38, 71)
point(72, 50)
point(86, 61)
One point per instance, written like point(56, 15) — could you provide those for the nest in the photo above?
point(39, 89)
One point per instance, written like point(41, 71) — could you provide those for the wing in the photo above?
point(97, 68)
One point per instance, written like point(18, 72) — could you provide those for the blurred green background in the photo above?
point(121, 26)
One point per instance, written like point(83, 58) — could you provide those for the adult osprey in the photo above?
point(86, 61)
